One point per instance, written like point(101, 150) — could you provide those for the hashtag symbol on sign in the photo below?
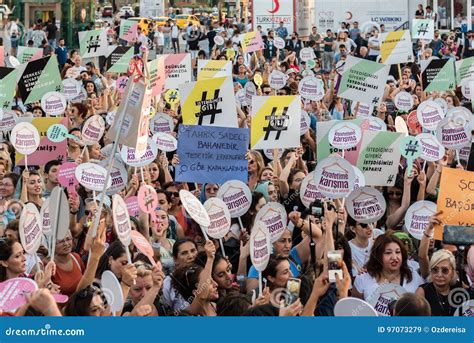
point(93, 44)
point(411, 147)
point(276, 123)
point(375, 100)
point(173, 95)
point(208, 107)
point(423, 28)
point(390, 179)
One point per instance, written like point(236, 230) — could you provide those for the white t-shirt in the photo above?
point(171, 297)
point(366, 284)
point(360, 256)
point(174, 31)
point(376, 42)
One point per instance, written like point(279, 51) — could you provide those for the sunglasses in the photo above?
point(395, 193)
point(444, 270)
point(174, 194)
point(251, 161)
point(364, 226)
point(212, 189)
point(92, 290)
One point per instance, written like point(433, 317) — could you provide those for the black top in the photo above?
point(439, 303)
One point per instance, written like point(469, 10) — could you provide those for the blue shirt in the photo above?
point(295, 266)
point(61, 52)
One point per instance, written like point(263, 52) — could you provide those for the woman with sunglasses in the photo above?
point(255, 167)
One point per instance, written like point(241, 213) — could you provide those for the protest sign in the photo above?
point(334, 177)
point(128, 30)
point(353, 307)
point(143, 245)
point(219, 216)
point(467, 309)
point(161, 122)
point(53, 103)
point(67, 176)
point(275, 122)
point(437, 75)
point(464, 71)
point(373, 124)
point(129, 156)
point(13, 291)
point(210, 154)
point(396, 47)
point(93, 43)
point(459, 115)
point(112, 291)
point(147, 200)
point(413, 123)
point(45, 216)
point(309, 191)
point(422, 29)
point(379, 157)
point(363, 80)
point(466, 91)
point(359, 181)
point(456, 189)
point(237, 196)
point(260, 246)
point(156, 79)
point(453, 135)
point(410, 148)
point(279, 42)
point(132, 206)
point(30, 228)
point(118, 175)
point(258, 80)
point(26, 54)
point(194, 208)
point(311, 88)
point(121, 219)
point(121, 84)
point(93, 130)
point(359, 109)
point(366, 205)
point(307, 54)
point(442, 103)
point(58, 207)
point(119, 59)
point(418, 216)
point(404, 101)
point(401, 126)
point(47, 149)
point(429, 114)
point(305, 122)
point(36, 78)
point(92, 176)
point(344, 135)
point(165, 141)
point(209, 102)
point(7, 91)
point(251, 41)
point(271, 154)
point(71, 88)
point(277, 80)
point(431, 149)
point(209, 69)
point(58, 132)
point(383, 296)
point(177, 70)
point(219, 40)
point(273, 215)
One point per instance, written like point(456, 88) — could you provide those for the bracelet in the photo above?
point(300, 226)
point(73, 213)
point(426, 235)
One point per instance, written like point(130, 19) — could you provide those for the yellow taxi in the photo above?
point(182, 20)
point(160, 21)
point(142, 23)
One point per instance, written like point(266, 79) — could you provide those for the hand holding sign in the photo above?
point(410, 148)
point(25, 138)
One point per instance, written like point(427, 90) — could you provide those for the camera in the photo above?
point(316, 208)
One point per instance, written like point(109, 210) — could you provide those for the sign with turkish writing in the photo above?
point(396, 47)
point(453, 135)
point(121, 219)
point(429, 114)
point(26, 54)
point(93, 43)
point(273, 215)
point(464, 71)
point(161, 122)
point(431, 149)
point(209, 102)
point(335, 177)
point(383, 296)
point(237, 196)
point(156, 77)
point(177, 70)
point(210, 154)
point(276, 122)
point(92, 176)
point(53, 103)
point(93, 129)
point(366, 205)
point(209, 69)
point(30, 228)
point(219, 216)
point(25, 138)
point(119, 59)
point(309, 191)
point(363, 80)
point(260, 246)
point(437, 75)
point(251, 41)
point(7, 92)
point(418, 216)
point(128, 30)
point(130, 157)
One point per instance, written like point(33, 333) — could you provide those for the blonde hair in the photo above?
point(143, 269)
point(7, 161)
point(440, 256)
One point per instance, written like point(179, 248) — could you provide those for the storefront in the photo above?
point(452, 13)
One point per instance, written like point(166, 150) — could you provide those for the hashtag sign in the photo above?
point(93, 44)
point(423, 29)
point(276, 123)
point(412, 147)
point(208, 107)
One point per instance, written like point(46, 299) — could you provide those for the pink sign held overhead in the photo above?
point(13, 293)
point(67, 176)
point(143, 245)
point(132, 206)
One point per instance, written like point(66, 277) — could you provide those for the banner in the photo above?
point(118, 61)
point(156, 80)
point(93, 43)
point(379, 157)
point(209, 69)
point(454, 199)
point(209, 102)
point(128, 30)
point(7, 92)
point(276, 122)
point(464, 71)
point(437, 75)
point(26, 54)
point(422, 29)
point(210, 154)
point(251, 41)
point(47, 150)
point(396, 47)
point(363, 80)
point(37, 78)
point(177, 70)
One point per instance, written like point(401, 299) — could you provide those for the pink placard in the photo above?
point(66, 176)
point(132, 206)
point(143, 245)
point(13, 291)
point(121, 83)
point(147, 199)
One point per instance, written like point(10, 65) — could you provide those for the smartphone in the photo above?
point(334, 265)
point(293, 290)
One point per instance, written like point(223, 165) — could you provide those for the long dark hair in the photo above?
point(6, 250)
point(271, 269)
point(375, 264)
point(186, 280)
point(115, 250)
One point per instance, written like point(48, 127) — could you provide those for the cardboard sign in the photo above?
point(30, 228)
point(36, 78)
point(437, 75)
point(8, 77)
point(383, 296)
point(177, 70)
point(277, 80)
point(273, 215)
point(418, 216)
point(157, 76)
point(396, 47)
point(93, 129)
point(194, 208)
point(165, 141)
point(209, 102)
point(13, 291)
point(366, 205)
point(311, 88)
point(250, 92)
point(46, 222)
point(161, 122)
point(143, 245)
point(422, 29)
point(260, 246)
point(53, 103)
point(209, 69)
point(93, 43)
point(71, 88)
point(309, 191)
point(344, 135)
point(334, 177)
point(118, 175)
point(47, 149)
point(454, 199)
point(431, 149)
point(25, 138)
point(128, 30)
point(404, 101)
point(26, 54)
point(379, 157)
point(251, 41)
point(429, 114)
point(465, 71)
point(361, 110)
point(453, 135)
point(121, 218)
point(363, 80)
point(237, 196)
point(275, 122)
point(219, 216)
point(212, 154)
point(92, 176)
point(67, 175)
point(130, 158)
point(119, 59)
point(353, 307)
